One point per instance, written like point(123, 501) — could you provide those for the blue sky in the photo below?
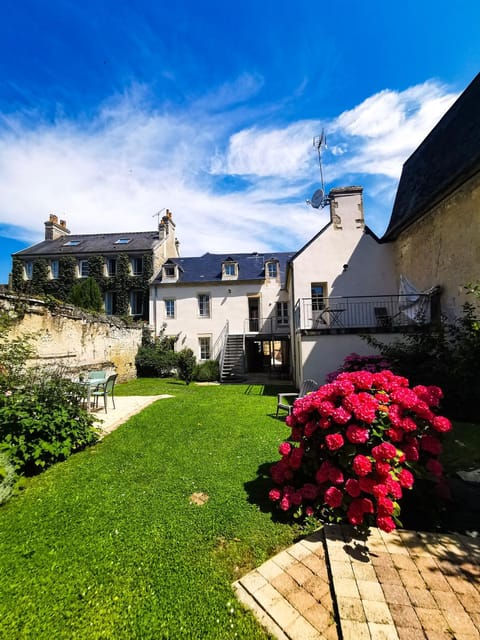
point(112, 111)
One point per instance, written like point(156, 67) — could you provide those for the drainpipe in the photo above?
point(293, 338)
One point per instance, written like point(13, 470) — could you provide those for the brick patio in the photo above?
point(403, 585)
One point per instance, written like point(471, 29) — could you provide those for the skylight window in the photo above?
point(72, 243)
point(122, 241)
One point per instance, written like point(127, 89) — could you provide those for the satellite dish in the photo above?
point(317, 199)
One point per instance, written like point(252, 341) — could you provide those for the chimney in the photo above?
point(54, 229)
point(166, 226)
point(346, 208)
point(177, 246)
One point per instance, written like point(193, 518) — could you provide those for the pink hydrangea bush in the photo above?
point(356, 445)
point(355, 362)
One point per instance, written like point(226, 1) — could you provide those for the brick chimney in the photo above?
point(55, 229)
point(346, 208)
point(166, 226)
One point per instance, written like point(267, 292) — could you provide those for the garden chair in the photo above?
point(104, 390)
point(307, 386)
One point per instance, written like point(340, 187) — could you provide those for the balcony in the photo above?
point(382, 313)
point(267, 326)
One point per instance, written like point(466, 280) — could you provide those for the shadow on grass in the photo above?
point(266, 389)
point(257, 491)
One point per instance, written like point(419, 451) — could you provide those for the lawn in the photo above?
point(109, 543)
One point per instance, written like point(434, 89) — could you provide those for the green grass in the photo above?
point(108, 544)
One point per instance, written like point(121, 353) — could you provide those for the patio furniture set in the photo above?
point(97, 385)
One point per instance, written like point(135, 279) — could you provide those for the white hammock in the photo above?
point(413, 303)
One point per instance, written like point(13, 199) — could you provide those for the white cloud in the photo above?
point(116, 170)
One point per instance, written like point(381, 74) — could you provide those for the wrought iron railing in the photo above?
point(357, 312)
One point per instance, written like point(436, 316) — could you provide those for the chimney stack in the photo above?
point(54, 229)
point(166, 226)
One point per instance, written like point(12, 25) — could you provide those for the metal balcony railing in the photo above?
point(361, 312)
point(267, 326)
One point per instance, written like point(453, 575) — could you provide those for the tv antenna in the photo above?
point(158, 214)
point(319, 199)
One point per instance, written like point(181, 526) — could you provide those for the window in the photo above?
point(136, 303)
point(122, 241)
point(204, 305)
point(169, 308)
point(229, 268)
point(83, 268)
point(54, 269)
point(319, 292)
point(28, 270)
point(111, 267)
point(110, 303)
point(282, 313)
point(72, 243)
point(204, 347)
point(169, 270)
point(272, 269)
point(137, 266)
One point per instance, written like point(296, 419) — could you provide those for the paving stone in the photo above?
point(351, 609)
point(265, 620)
point(447, 599)
point(377, 612)
point(341, 569)
point(388, 575)
point(346, 587)
point(320, 617)
point(382, 631)
point(299, 572)
point(253, 581)
point(269, 570)
point(353, 630)
point(318, 588)
point(461, 585)
point(471, 602)
point(396, 594)
point(301, 629)
point(405, 616)
point(299, 552)
point(438, 635)
point(459, 622)
point(317, 565)
point(284, 560)
point(364, 571)
point(404, 562)
point(282, 612)
point(431, 619)
point(370, 590)
point(314, 544)
point(407, 633)
point(411, 579)
point(435, 580)
point(301, 600)
point(284, 584)
point(381, 560)
point(422, 598)
point(267, 597)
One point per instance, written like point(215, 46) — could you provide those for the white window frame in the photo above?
point(133, 297)
point(282, 314)
point(204, 348)
point(28, 269)
point(318, 300)
point(229, 269)
point(170, 312)
point(173, 274)
point(272, 265)
point(54, 269)
point(111, 273)
point(134, 263)
point(204, 305)
point(83, 270)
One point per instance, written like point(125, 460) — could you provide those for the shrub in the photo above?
point(86, 294)
point(207, 371)
point(154, 362)
point(185, 365)
point(44, 422)
point(355, 446)
point(446, 355)
point(355, 362)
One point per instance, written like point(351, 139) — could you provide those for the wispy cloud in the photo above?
point(115, 170)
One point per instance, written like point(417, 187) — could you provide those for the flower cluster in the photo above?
point(354, 447)
point(355, 362)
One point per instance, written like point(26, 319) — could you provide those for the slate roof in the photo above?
point(96, 243)
point(208, 268)
point(448, 156)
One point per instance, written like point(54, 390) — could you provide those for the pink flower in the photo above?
point(309, 511)
point(434, 467)
point(334, 441)
point(441, 424)
point(431, 444)
point(310, 429)
point(361, 465)
point(394, 488)
point(384, 506)
point(285, 448)
point(274, 494)
point(411, 453)
point(285, 503)
point(384, 451)
point(380, 490)
point(340, 415)
point(309, 491)
point(356, 434)
point(406, 479)
point(333, 497)
point(352, 487)
point(385, 523)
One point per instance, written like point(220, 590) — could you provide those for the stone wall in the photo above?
point(77, 340)
point(443, 247)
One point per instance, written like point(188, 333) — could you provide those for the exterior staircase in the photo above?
point(233, 367)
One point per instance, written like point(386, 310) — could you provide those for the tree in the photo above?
point(86, 294)
point(186, 365)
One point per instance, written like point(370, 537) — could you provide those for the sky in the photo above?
point(111, 112)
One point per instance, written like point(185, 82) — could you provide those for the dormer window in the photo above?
point(229, 269)
point(272, 269)
point(169, 271)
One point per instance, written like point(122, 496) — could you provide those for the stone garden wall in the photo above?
point(73, 338)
